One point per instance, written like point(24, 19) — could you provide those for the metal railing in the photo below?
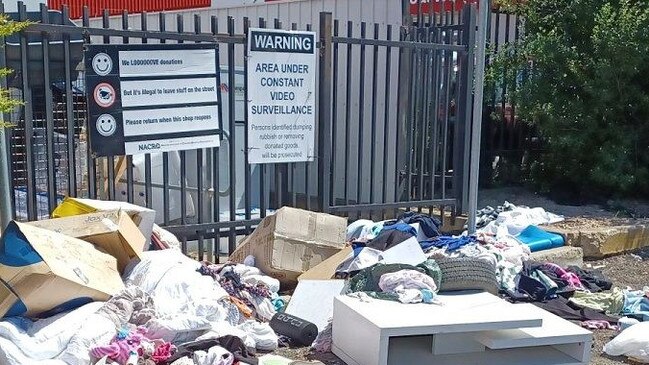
point(393, 132)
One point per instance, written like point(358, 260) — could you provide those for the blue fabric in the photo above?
point(538, 240)
point(636, 304)
point(427, 296)
point(429, 225)
point(401, 227)
point(17, 309)
point(15, 250)
point(449, 242)
point(20, 322)
point(357, 247)
point(67, 306)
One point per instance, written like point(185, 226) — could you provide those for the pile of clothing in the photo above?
point(174, 310)
point(503, 254)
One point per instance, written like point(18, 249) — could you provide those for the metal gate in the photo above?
point(394, 115)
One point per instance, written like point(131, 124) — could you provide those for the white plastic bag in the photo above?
point(632, 342)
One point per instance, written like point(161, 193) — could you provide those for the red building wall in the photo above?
point(96, 7)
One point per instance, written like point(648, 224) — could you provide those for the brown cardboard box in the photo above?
point(114, 232)
point(326, 270)
point(291, 241)
point(44, 271)
point(143, 217)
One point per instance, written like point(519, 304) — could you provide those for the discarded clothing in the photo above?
point(636, 304)
point(514, 221)
point(363, 230)
point(409, 285)
point(599, 325)
point(185, 301)
point(367, 280)
point(324, 340)
point(429, 225)
point(401, 227)
point(406, 279)
point(132, 306)
point(216, 355)
point(592, 280)
point(449, 242)
point(263, 335)
point(231, 343)
point(561, 307)
point(121, 347)
point(488, 214)
point(360, 258)
point(609, 302)
point(390, 238)
point(566, 280)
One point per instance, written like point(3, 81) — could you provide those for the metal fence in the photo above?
point(394, 111)
point(508, 143)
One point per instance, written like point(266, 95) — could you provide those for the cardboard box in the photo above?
point(113, 232)
point(143, 217)
point(43, 271)
point(291, 241)
point(326, 270)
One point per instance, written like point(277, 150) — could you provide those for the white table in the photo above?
point(469, 328)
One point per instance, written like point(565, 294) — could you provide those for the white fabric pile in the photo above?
point(188, 306)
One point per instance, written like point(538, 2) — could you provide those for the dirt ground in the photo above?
point(629, 270)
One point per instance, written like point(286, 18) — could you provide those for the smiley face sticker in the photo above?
point(106, 125)
point(102, 64)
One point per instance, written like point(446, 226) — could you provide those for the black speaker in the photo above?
point(298, 330)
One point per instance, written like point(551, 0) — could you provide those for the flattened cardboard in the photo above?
point(291, 241)
point(143, 217)
point(114, 232)
point(327, 269)
point(52, 269)
point(313, 300)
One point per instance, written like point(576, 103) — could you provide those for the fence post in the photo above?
point(324, 112)
point(5, 183)
point(403, 105)
point(476, 131)
point(465, 108)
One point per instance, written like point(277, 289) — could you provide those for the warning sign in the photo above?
point(152, 98)
point(281, 88)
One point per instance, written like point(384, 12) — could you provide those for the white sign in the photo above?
point(168, 144)
point(169, 63)
point(172, 120)
point(281, 91)
point(168, 92)
point(152, 98)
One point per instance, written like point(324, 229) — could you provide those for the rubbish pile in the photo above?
point(84, 288)
point(102, 284)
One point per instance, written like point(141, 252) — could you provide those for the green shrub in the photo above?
point(8, 27)
point(581, 73)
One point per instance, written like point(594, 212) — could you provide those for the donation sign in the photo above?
point(281, 92)
point(151, 98)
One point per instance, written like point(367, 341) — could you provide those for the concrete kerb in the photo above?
point(601, 242)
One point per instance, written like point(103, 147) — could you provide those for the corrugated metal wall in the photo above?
point(96, 7)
